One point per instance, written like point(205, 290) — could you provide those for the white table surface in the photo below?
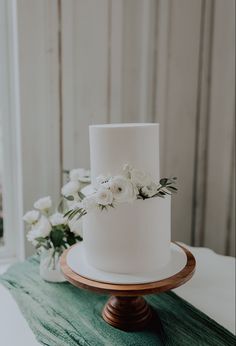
point(211, 290)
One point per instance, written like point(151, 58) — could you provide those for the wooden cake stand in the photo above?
point(126, 309)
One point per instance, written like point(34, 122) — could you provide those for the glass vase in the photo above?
point(49, 268)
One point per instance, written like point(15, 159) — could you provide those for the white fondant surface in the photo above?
point(78, 264)
point(130, 238)
point(113, 145)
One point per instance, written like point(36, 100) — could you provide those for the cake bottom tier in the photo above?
point(131, 238)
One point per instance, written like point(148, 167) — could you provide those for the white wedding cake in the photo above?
point(131, 237)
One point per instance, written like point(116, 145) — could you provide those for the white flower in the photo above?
point(76, 226)
point(44, 203)
point(35, 243)
point(31, 216)
point(32, 235)
point(140, 178)
point(76, 173)
point(89, 203)
point(80, 174)
point(70, 188)
point(104, 196)
point(122, 189)
point(57, 219)
point(150, 190)
point(102, 180)
point(43, 227)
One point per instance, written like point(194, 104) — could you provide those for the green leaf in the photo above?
point(79, 238)
point(163, 181)
point(81, 215)
point(172, 189)
point(60, 208)
point(71, 238)
point(41, 239)
point(73, 213)
point(69, 198)
point(81, 195)
point(57, 236)
point(67, 213)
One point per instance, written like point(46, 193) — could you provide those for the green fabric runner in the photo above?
point(63, 315)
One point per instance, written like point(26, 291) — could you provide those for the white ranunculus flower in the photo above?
point(89, 203)
point(44, 203)
point(104, 196)
point(76, 226)
point(70, 188)
point(123, 190)
point(31, 216)
point(150, 190)
point(140, 178)
point(80, 174)
point(102, 180)
point(57, 219)
point(43, 227)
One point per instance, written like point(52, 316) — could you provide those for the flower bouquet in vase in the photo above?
point(51, 233)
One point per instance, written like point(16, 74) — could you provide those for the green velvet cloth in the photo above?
point(63, 315)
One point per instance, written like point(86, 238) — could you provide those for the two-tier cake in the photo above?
point(131, 237)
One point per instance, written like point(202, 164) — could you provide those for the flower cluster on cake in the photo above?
point(109, 191)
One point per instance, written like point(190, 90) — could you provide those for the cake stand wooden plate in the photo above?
point(126, 309)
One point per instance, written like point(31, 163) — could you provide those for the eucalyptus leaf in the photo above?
point(172, 188)
point(69, 198)
point(81, 195)
point(163, 181)
point(60, 207)
point(67, 213)
point(41, 239)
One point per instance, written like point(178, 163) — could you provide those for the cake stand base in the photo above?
point(126, 308)
point(127, 313)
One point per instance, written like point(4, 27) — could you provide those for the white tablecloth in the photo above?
point(211, 290)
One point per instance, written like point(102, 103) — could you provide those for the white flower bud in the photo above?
point(70, 188)
point(44, 203)
point(57, 219)
point(31, 216)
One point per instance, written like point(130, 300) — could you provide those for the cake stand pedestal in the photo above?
point(126, 309)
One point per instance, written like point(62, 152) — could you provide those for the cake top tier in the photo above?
point(113, 145)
